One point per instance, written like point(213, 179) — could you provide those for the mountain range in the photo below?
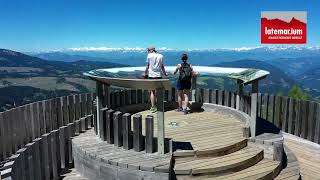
point(62, 73)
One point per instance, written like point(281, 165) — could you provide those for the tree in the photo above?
point(297, 93)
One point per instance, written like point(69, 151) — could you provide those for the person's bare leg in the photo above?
point(180, 94)
point(152, 98)
point(187, 94)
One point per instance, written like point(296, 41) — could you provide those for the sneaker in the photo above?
point(185, 111)
point(179, 110)
point(153, 109)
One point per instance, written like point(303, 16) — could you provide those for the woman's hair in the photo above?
point(184, 57)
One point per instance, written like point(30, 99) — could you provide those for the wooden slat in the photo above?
point(117, 129)
point(149, 134)
point(233, 100)
point(127, 133)
point(20, 127)
point(271, 108)
point(71, 109)
point(3, 139)
point(317, 128)
point(278, 111)
point(311, 121)
point(220, 97)
point(59, 112)
point(265, 103)
point(83, 102)
point(65, 112)
point(8, 132)
point(291, 115)
point(54, 119)
point(259, 105)
point(42, 125)
point(304, 119)
point(77, 106)
point(285, 114)
point(133, 93)
point(227, 98)
point(206, 96)
point(137, 133)
point(214, 96)
point(89, 103)
point(297, 125)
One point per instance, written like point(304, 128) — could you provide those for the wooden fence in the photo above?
point(297, 117)
point(21, 125)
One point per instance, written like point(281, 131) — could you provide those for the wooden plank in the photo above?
point(42, 123)
point(297, 127)
point(48, 116)
point(65, 113)
point(271, 107)
point(304, 119)
point(214, 96)
point(59, 112)
point(259, 105)
point(117, 128)
point(8, 132)
point(36, 159)
point(44, 157)
point(19, 116)
point(71, 109)
point(221, 97)
point(133, 93)
point(109, 126)
point(291, 112)
point(232, 100)
point(62, 147)
point(160, 120)
point(53, 112)
point(139, 95)
point(77, 106)
point(83, 105)
point(24, 121)
point(278, 111)
point(127, 133)
point(149, 134)
point(285, 114)
point(266, 106)
point(206, 98)
point(3, 138)
point(311, 121)
point(53, 146)
point(137, 133)
point(89, 103)
point(317, 128)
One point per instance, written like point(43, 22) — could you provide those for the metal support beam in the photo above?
point(254, 107)
point(160, 119)
point(239, 93)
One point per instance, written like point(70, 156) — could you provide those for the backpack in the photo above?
point(185, 72)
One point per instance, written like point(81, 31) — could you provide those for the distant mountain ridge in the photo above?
point(137, 56)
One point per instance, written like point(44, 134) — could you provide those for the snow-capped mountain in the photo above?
point(136, 56)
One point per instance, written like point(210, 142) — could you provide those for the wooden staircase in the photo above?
point(247, 162)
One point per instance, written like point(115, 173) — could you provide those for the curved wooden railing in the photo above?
point(294, 116)
point(37, 134)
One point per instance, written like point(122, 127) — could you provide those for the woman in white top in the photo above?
point(154, 70)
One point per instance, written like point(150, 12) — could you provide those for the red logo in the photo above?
point(283, 27)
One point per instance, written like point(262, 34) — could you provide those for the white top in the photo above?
point(155, 61)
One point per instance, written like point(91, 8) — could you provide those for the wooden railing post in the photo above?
point(254, 109)
point(99, 100)
point(194, 88)
point(239, 93)
point(160, 116)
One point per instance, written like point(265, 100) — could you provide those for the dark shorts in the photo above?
point(184, 85)
point(154, 77)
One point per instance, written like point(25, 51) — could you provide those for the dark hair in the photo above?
point(184, 57)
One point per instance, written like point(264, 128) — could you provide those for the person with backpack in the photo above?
point(184, 83)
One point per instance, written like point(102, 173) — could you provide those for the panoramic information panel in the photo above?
point(132, 77)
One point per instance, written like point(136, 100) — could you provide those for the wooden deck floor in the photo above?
point(308, 155)
point(202, 132)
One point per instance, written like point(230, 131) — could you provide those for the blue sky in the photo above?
point(31, 25)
